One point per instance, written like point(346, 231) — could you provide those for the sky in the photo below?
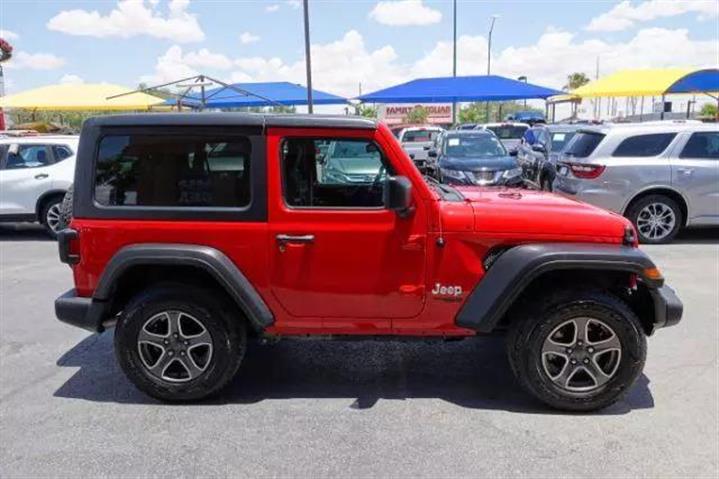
point(370, 43)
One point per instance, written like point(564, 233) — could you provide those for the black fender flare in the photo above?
point(517, 267)
point(209, 259)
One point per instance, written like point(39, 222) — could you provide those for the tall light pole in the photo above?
point(524, 79)
point(308, 59)
point(454, 60)
point(489, 52)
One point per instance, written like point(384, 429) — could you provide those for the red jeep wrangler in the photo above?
point(193, 233)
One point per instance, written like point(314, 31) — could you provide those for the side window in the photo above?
point(339, 173)
point(173, 171)
point(702, 145)
point(27, 156)
point(61, 152)
point(644, 145)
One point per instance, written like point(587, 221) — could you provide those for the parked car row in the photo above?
point(663, 176)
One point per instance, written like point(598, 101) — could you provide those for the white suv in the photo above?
point(35, 173)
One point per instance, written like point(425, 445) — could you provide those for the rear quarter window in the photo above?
point(583, 144)
point(173, 171)
point(644, 145)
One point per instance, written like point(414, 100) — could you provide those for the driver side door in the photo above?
point(339, 259)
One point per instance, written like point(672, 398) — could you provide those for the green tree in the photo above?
point(709, 110)
point(417, 115)
point(366, 111)
point(498, 110)
point(575, 80)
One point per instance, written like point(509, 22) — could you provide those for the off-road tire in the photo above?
point(636, 208)
point(66, 209)
point(216, 314)
point(537, 320)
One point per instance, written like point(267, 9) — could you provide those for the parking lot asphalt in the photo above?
point(314, 408)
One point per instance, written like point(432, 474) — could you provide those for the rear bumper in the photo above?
point(668, 308)
point(81, 312)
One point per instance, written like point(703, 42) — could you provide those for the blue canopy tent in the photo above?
point(459, 89)
point(258, 94)
point(700, 81)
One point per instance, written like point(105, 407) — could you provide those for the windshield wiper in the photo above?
point(442, 187)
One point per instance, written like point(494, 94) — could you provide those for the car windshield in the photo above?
point(419, 136)
point(561, 139)
point(508, 132)
point(583, 144)
point(473, 146)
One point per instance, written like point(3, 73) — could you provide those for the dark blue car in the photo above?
point(474, 157)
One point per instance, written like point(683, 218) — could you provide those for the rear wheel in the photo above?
point(50, 216)
point(657, 218)
point(580, 352)
point(179, 343)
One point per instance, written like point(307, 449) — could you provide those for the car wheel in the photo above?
point(50, 216)
point(581, 352)
point(657, 219)
point(66, 210)
point(179, 343)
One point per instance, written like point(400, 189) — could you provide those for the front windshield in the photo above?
point(473, 146)
point(508, 132)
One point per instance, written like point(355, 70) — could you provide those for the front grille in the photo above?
point(484, 176)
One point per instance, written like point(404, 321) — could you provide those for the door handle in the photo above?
point(41, 176)
point(283, 238)
point(685, 171)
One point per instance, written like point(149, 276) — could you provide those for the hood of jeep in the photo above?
point(506, 211)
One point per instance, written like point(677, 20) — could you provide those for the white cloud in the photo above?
point(131, 18)
point(404, 13)
point(625, 14)
point(272, 8)
point(247, 38)
point(338, 67)
point(174, 65)
point(34, 61)
point(69, 79)
point(8, 35)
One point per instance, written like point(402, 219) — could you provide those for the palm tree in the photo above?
point(575, 80)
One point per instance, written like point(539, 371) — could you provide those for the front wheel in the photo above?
point(580, 352)
point(179, 343)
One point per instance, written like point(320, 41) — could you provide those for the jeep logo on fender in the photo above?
point(447, 291)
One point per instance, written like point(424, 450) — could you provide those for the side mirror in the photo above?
point(398, 195)
point(513, 152)
point(539, 148)
point(426, 148)
point(432, 153)
point(411, 155)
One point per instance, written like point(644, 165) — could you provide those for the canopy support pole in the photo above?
point(661, 115)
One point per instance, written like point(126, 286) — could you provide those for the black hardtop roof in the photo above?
point(234, 119)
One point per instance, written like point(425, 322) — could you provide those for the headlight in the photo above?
point(512, 173)
point(456, 174)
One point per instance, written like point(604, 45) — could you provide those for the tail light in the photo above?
point(586, 171)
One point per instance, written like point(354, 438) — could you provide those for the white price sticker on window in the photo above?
point(453, 142)
point(559, 136)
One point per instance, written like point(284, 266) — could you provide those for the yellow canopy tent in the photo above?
point(82, 96)
point(652, 82)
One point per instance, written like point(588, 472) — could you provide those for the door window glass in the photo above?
point(703, 145)
point(27, 156)
point(333, 173)
point(644, 145)
point(61, 152)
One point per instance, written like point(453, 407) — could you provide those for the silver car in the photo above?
point(417, 141)
point(663, 176)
